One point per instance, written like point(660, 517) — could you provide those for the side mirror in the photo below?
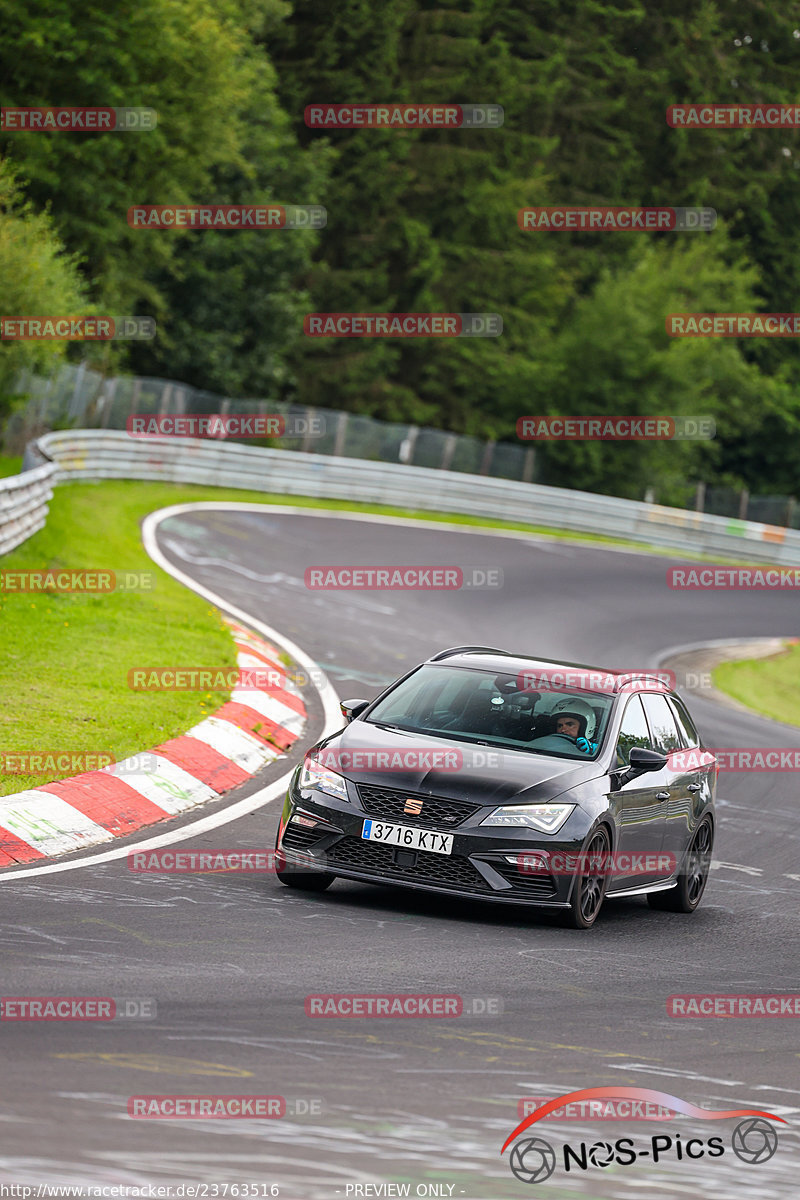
point(353, 708)
point(642, 759)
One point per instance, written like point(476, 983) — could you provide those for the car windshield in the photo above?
point(497, 710)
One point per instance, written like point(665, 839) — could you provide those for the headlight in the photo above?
point(314, 775)
point(546, 817)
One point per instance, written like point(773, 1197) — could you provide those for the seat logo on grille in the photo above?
point(413, 806)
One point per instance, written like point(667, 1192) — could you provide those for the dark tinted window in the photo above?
point(493, 709)
point(685, 724)
point(662, 723)
point(633, 732)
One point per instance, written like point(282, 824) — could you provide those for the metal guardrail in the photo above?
point(23, 505)
point(95, 454)
point(76, 397)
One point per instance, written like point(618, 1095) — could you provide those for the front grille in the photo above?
point(297, 837)
point(437, 812)
point(434, 869)
point(539, 887)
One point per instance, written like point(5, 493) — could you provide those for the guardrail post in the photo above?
point(486, 461)
point(448, 451)
point(744, 500)
point(310, 417)
point(166, 394)
point(790, 507)
point(700, 497)
point(107, 401)
point(528, 465)
point(406, 452)
point(341, 430)
point(79, 374)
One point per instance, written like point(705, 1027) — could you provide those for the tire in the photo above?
point(688, 891)
point(589, 890)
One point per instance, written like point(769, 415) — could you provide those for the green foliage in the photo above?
point(426, 220)
point(221, 138)
point(36, 277)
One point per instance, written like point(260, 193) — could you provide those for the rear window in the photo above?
point(493, 709)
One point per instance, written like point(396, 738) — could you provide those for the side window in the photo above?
point(685, 723)
point(633, 732)
point(662, 723)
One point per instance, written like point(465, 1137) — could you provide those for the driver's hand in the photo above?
point(585, 745)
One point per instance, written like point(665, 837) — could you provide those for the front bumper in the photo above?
point(477, 868)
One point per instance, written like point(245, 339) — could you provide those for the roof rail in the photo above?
point(464, 650)
point(628, 677)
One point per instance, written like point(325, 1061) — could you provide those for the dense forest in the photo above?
point(423, 221)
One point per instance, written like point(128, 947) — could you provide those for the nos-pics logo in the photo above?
point(533, 1160)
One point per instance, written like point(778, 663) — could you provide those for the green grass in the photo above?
point(10, 464)
point(766, 685)
point(66, 657)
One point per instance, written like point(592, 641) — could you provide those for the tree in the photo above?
point(37, 277)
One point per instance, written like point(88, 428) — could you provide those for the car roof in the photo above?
point(488, 658)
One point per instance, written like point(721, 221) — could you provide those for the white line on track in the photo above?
point(327, 694)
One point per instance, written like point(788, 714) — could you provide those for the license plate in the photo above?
point(408, 839)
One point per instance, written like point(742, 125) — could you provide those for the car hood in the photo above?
point(483, 774)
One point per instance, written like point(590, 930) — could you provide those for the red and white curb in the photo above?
point(252, 729)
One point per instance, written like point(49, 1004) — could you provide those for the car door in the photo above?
point(640, 804)
point(692, 786)
point(677, 778)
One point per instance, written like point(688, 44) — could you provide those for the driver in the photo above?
point(575, 719)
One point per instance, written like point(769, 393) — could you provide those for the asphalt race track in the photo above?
point(230, 958)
